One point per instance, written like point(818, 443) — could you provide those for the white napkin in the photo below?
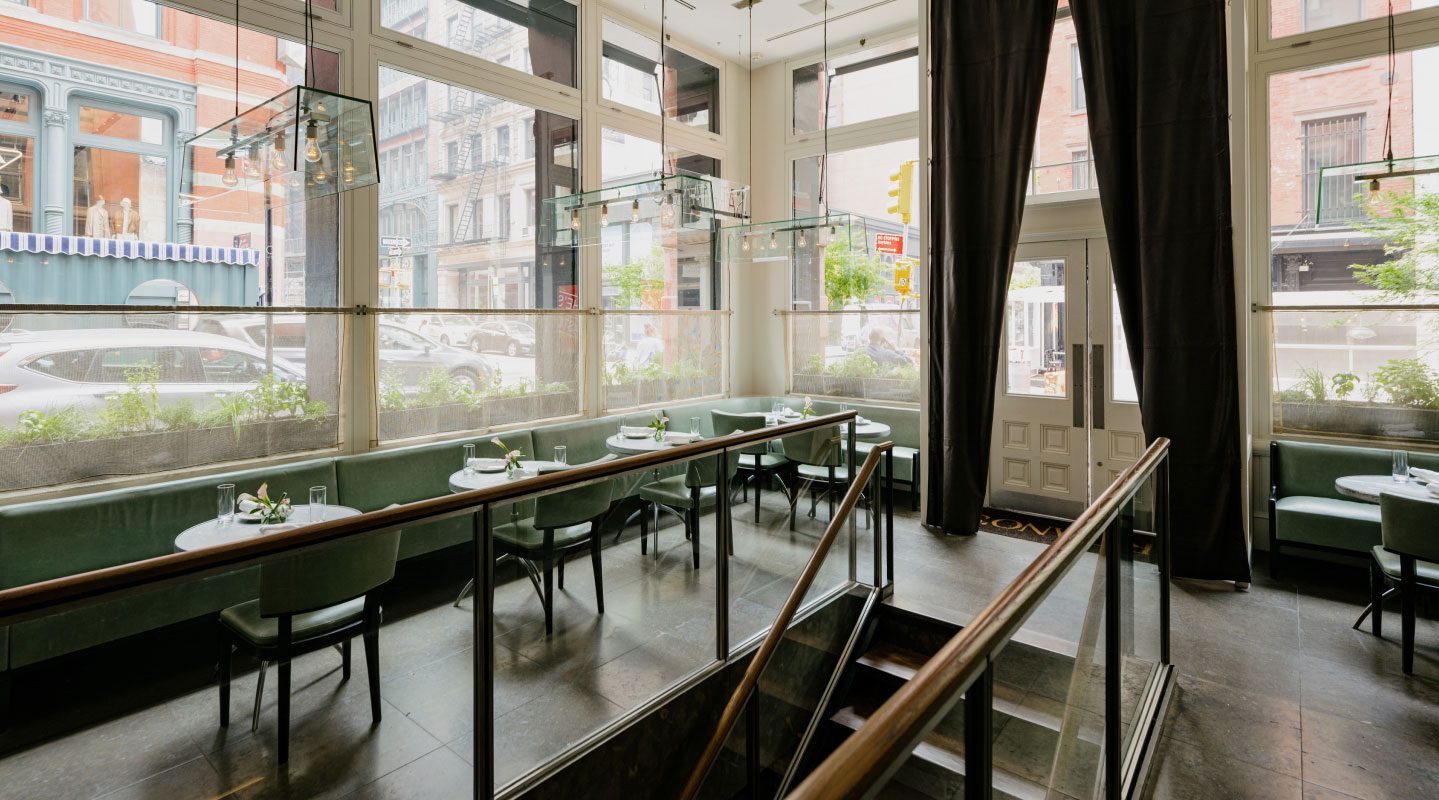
point(676, 437)
point(861, 421)
point(278, 527)
point(487, 463)
point(1428, 476)
point(636, 430)
point(1434, 489)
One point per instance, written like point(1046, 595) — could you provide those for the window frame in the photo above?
point(169, 149)
point(909, 119)
point(1260, 17)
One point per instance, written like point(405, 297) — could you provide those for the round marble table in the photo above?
point(212, 532)
point(460, 482)
point(1369, 487)
point(626, 446)
point(866, 431)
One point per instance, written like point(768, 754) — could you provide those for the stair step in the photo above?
point(892, 659)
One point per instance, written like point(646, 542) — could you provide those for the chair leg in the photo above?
point(548, 599)
point(644, 529)
point(692, 522)
point(560, 568)
point(468, 586)
point(599, 577)
point(4, 699)
point(225, 654)
point(371, 638)
point(1376, 598)
point(758, 482)
point(914, 484)
point(1408, 589)
point(259, 697)
point(345, 660)
point(829, 493)
point(284, 660)
point(1274, 559)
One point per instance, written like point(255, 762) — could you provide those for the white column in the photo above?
point(57, 167)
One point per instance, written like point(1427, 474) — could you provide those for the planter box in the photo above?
point(1369, 420)
point(49, 464)
point(809, 384)
point(408, 423)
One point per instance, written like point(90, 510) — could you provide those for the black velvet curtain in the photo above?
point(1155, 82)
point(988, 59)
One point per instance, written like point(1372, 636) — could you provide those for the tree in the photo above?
point(639, 283)
point(1408, 224)
point(849, 274)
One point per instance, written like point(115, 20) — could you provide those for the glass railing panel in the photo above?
point(668, 356)
point(868, 352)
point(441, 372)
point(1141, 623)
point(562, 680)
point(89, 396)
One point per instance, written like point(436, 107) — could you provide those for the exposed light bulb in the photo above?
point(744, 243)
point(252, 164)
point(667, 211)
point(312, 150)
point(801, 238)
point(604, 214)
point(635, 211)
point(320, 176)
point(349, 172)
point(229, 178)
point(278, 161)
point(773, 243)
point(574, 219)
point(1374, 188)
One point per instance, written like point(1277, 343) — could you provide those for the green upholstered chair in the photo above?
point(758, 460)
point(1408, 559)
point(819, 459)
point(686, 496)
point(308, 602)
point(562, 523)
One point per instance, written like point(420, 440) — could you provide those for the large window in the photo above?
point(1062, 136)
point(138, 16)
point(684, 87)
point(867, 85)
point(537, 37)
point(19, 121)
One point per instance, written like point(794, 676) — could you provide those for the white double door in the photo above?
point(1066, 416)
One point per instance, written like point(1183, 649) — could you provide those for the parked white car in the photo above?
point(52, 370)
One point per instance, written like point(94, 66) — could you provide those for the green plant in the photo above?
point(1293, 396)
point(639, 283)
point(272, 398)
point(1344, 383)
point(1371, 389)
point(43, 427)
point(391, 391)
point(1408, 382)
point(1312, 382)
point(1405, 222)
point(849, 274)
point(137, 407)
point(179, 415)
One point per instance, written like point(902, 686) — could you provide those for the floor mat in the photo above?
point(1021, 526)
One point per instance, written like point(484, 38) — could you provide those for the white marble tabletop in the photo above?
point(462, 482)
point(213, 532)
point(1369, 487)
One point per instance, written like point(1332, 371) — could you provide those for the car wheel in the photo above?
point(475, 344)
point(466, 378)
point(445, 340)
point(512, 350)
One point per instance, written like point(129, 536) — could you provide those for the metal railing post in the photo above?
point(1112, 710)
point(722, 548)
point(876, 526)
point(751, 745)
point(1161, 523)
point(979, 737)
point(889, 515)
point(853, 525)
point(484, 667)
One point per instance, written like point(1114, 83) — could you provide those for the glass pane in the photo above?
point(1290, 17)
point(689, 87)
point(649, 265)
point(662, 357)
point(1034, 329)
point(139, 16)
point(626, 158)
point(105, 182)
point(536, 38)
point(95, 395)
point(15, 105)
point(870, 84)
point(463, 181)
point(1370, 374)
point(136, 128)
point(17, 183)
point(1061, 161)
point(452, 372)
point(868, 356)
point(1355, 251)
point(1122, 389)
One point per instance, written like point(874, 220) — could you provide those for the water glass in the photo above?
point(562, 454)
point(777, 408)
point(1401, 466)
point(466, 466)
point(695, 425)
point(226, 503)
point(319, 498)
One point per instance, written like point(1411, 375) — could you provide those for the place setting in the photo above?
point(250, 516)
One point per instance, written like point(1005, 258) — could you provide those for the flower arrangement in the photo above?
point(271, 511)
point(659, 424)
point(808, 410)
point(512, 457)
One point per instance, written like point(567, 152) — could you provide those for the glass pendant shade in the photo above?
point(674, 204)
point(791, 239)
point(1345, 187)
point(300, 144)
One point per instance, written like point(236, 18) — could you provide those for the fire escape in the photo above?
point(471, 34)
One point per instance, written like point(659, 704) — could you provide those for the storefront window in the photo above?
point(17, 165)
point(120, 195)
point(122, 125)
point(537, 37)
point(687, 91)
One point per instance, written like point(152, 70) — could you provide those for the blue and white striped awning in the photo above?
point(115, 248)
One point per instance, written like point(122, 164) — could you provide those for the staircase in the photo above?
point(1032, 682)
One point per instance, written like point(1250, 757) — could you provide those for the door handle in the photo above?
point(1097, 386)
point(1076, 369)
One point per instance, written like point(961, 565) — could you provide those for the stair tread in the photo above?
point(901, 662)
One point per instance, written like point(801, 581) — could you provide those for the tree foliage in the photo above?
point(639, 283)
point(850, 274)
point(1408, 224)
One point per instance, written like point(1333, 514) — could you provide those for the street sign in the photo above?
point(394, 241)
point(891, 243)
point(903, 274)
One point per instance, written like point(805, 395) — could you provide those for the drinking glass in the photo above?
point(1401, 466)
point(695, 425)
point(777, 408)
point(562, 454)
point(319, 498)
point(467, 467)
point(226, 503)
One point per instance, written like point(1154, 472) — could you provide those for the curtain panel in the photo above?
point(1155, 77)
point(987, 60)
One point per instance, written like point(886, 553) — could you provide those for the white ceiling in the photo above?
point(782, 28)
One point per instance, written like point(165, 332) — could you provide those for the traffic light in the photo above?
point(902, 191)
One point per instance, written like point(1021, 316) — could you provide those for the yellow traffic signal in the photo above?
point(902, 191)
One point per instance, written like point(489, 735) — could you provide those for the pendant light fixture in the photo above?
point(635, 211)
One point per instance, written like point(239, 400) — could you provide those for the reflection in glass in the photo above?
point(632, 76)
point(1034, 327)
point(871, 84)
point(536, 37)
point(120, 195)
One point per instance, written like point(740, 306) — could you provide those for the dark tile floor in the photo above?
point(1277, 696)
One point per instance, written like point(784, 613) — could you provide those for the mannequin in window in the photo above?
point(127, 228)
point(97, 220)
point(7, 214)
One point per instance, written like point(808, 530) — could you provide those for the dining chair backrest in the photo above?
point(701, 471)
point(1410, 526)
point(573, 506)
point(726, 423)
point(329, 575)
point(820, 447)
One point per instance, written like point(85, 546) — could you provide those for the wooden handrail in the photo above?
point(37, 599)
point(737, 701)
point(863, 759)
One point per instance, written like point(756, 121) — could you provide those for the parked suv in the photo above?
point(402, 351)
point(51, 370)
point(511, 338)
